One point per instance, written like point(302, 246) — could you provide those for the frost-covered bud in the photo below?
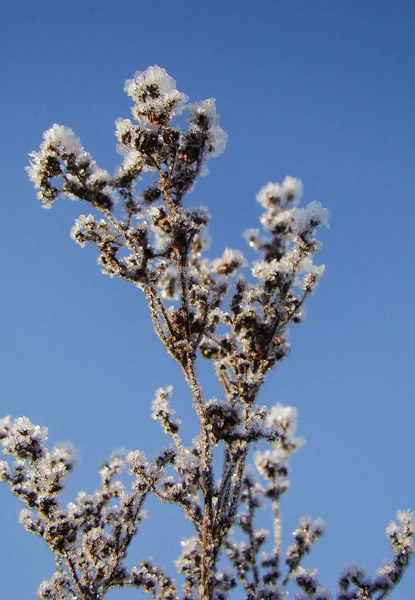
point(137, 460)
point(112, 467)
point(136, 143)
point(269, 561)
point(84, 509)
point(96, 544)
point(306, 579)
point(55, 587)
point(387, 576)
point(219, 288)
point(196, 218)
point(150, 195)
point(132, 162)
point(276, 488)
point(163, 411)
point(160, 404)
point(87, 229)
point(266, 272)
point(255, 426)
point(81, 223)
point(311, 279)
point(5, 424)
point(153, 579)
point(127, 133)
point(307, 219)
point(316, 526)
point(155, 95)
point(283, 419)
point(308, 532)
point(224, 580)
point(201, 242)
point(270, 194)
point(189, 559)
point(64, 455)
point(351, 574)
point(274, 194)
point(223, 417)
point(272, 464)
point(278, 222)
point(209, 349)
point(30, 522)
point(402, 536)
point(252, 237)
point(144, 578)
point(140, 468)
point(168, 281)
point(230, 261)
point(260, 537)
point(292, 189)
point(5, 472)
point(204, 119)
point(62, 165)
point(44, 164)
point(165, 457)
point(25, 440)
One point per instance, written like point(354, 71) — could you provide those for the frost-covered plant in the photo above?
point(199, 307)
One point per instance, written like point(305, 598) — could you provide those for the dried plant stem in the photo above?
point(277, 527)
point(152, 240)
point(207, 478)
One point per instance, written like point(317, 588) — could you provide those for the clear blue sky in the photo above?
point(316, 89)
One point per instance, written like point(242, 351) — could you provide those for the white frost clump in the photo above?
point(64, 138)
point(290, 190)
point(230, 261)
point(401, 535)
point(59, 149)
point(283, 417)
point(268, 271)
point(270, 193)
point(203, 115)
point(23, 438)
point(124, 129)
point(352, 572)
point(132, 159)
point(190, 552)
point(57, 138)
point(270, 462)
point(81, 223)
point(387, 574)
point(312, 278)
point(161, 404)
point(265, 271)
point(309, 217)
point(86, 226)
point(154, 93)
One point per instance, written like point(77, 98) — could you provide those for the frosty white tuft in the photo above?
point(155, 95)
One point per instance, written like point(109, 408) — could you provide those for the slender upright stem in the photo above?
point(207, 478)
point(277, 528)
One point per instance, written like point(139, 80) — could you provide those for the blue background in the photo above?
point(319, 90)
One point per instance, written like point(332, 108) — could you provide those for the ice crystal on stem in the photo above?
point(199, 306)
